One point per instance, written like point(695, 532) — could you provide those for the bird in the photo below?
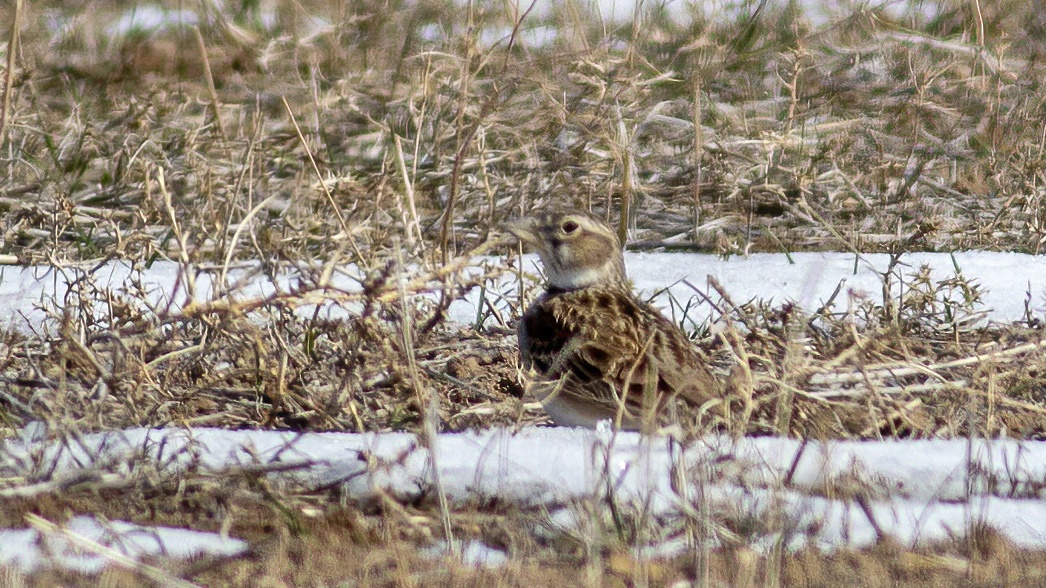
point(590, 348)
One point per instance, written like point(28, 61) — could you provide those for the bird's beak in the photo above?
point(525, 229)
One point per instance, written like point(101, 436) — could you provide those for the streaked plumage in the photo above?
point(588, 341)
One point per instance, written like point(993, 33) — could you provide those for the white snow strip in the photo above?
point(917, 490)
point(470, 553)
point(1010, 283)
point(30, 550)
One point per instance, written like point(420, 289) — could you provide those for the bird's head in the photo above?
point(577, 249)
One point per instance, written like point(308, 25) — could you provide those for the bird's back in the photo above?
point(591, 346)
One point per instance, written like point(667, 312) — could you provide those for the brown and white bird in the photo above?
point(592, 348)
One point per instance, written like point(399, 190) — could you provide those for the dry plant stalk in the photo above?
point(9, 71)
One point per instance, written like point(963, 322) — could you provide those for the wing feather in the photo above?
point(595, 344)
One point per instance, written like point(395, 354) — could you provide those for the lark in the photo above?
point(591, 348)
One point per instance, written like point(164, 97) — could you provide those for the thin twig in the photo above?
point(12, 56)
point(319, 177)
point(215, 105)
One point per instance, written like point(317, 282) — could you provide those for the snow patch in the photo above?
point(32, 549)
point(917, 491)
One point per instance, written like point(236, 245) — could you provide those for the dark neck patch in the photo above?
point(551, 290)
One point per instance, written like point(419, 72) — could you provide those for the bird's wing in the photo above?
point(682, 371)
point(599, 352)
point(605, 357)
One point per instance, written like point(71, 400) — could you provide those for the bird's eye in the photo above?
point(569, 227)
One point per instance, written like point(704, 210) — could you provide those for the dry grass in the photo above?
point(395, 141)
